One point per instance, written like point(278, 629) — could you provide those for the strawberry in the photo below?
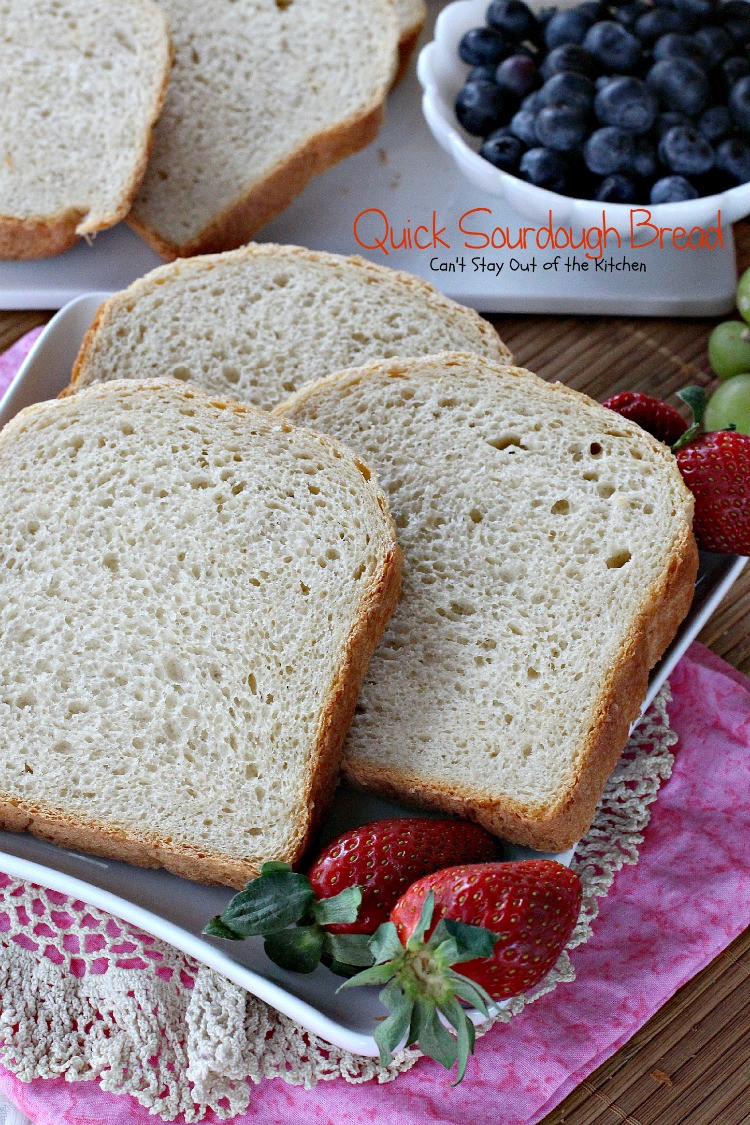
point(386, 857)
point(658, 418)
point(330, 913)
point(504, 923)
point(716, 468)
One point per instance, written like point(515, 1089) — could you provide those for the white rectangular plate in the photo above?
point(406, 175)
point(175, 909)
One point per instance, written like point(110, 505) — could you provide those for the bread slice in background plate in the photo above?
point(264, 95)
point(548, 561)
point(190, 591)
point(81, 85)
point(258, 322)
point(411, 18)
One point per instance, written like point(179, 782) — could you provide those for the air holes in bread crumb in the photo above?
point(618, 559)
point(560, 508)
point(595, 449)
point(605, 490)
point(505, 442)
point(475, 515)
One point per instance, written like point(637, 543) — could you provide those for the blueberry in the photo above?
point(562, 128)
point(679, 85)
point(503, 150)
point(523, 126)
point(483, 47)
point(676, 46)
point(735, 16)
point(668, 121)
point(569, 26)
point(569, 57)
point(568, 88)
point(545, 168)
point(733, 69)
point(645, 161)
point(613, 46)
point(628, 13)
point(487, 73)
point(608, 150)
point(715, 123)
point(617, 189)
point(595, 9)
point(627, 103)
point(517, 75)
point(716, 44)
point(512, 17)
point(696, 12)
point(479, 107)
point(686, 151)
point(533, 102)
point(656, 23)
point(543, 16)
point(739, 103)
point(673, 189)
point(733, 158)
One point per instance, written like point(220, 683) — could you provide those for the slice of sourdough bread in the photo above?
point(411, 18)
point(190, 591)
point(264, 95)
point(548, 560)
point(258, 322)
point(82, 84)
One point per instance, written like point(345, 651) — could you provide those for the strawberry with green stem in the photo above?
point(348, 892)
point(715, 466)
point(505, 924)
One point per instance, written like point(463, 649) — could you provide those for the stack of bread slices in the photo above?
point(198, 122)
point(202, 617)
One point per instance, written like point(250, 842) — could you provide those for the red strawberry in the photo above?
point(386, 857)
point(531, 907)
point(660, 419)
point(350, 891)
point(716, 469)
point(505, 924)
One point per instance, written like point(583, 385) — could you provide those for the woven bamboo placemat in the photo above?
point(689, 1064)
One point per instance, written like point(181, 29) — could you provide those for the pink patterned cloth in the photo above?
point(11, 360)
point(662, 922)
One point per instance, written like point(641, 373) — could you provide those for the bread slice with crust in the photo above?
point(190, 592)
point(264, 95)
point(411, 19)
point(258, 322)
point(83, 82)
point(548, 561)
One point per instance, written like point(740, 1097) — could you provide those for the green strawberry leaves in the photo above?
point(281, 906)
point(422, 991)
point(276, 899)
point(696, 398)
point(298, 950)
point(342, 907)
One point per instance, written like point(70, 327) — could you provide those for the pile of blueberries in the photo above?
point(623, 101)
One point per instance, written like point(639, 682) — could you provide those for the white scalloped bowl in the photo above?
point(442, 73)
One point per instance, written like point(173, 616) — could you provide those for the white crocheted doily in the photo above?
point(89, 997)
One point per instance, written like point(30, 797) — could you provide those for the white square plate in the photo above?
point(175, 909)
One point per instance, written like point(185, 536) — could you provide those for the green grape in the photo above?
point(743, 295)
point(729, 348)
point(730, 404)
